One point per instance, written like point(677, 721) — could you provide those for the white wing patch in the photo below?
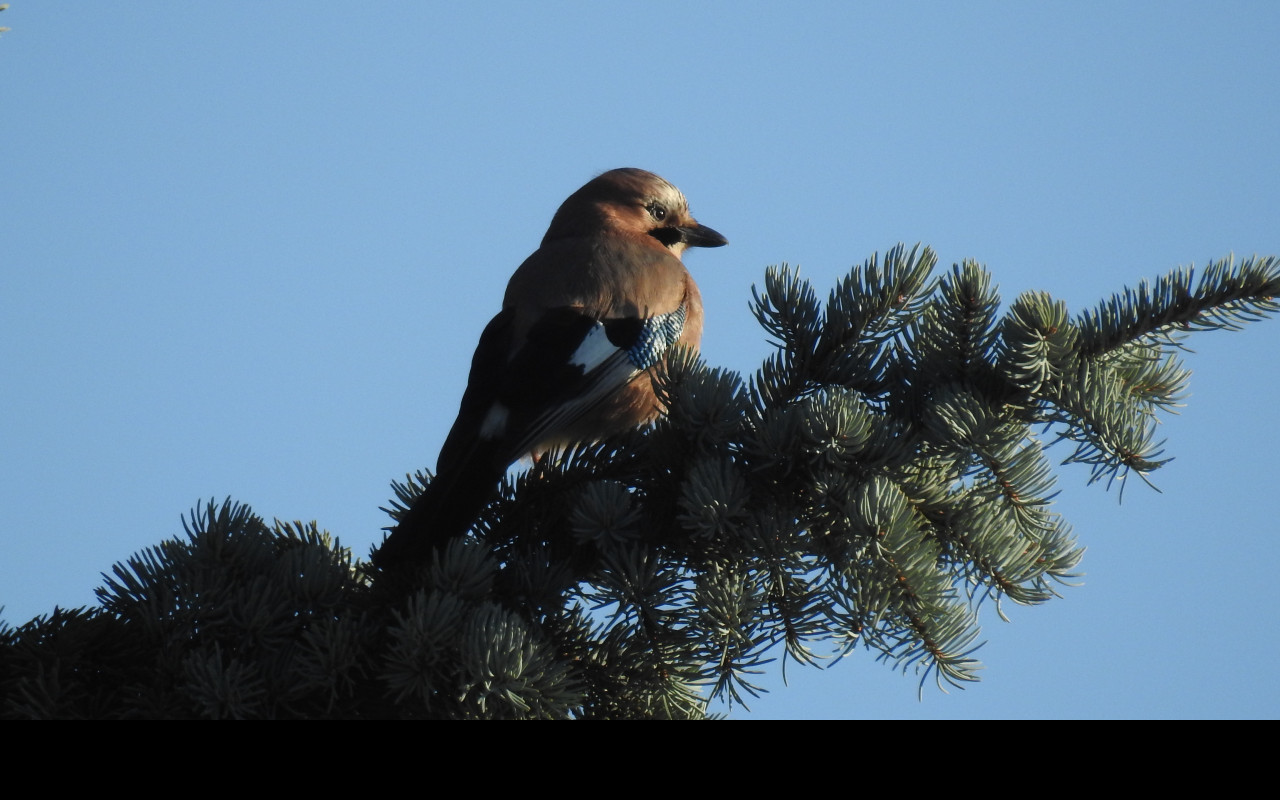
point(495, 422)
point(594, 350)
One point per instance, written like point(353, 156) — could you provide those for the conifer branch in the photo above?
point(875, 481)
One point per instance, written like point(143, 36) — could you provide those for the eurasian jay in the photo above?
point(585, 321)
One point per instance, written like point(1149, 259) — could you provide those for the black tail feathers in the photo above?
point(445, 510)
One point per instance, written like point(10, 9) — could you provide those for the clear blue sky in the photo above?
point(247, 250)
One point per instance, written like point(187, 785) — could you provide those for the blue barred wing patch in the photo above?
point(657, 335)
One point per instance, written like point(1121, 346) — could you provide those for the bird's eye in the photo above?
point(657, 212)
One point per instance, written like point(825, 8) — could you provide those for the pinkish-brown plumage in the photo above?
point(584, 321)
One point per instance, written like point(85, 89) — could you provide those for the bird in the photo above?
point(585, 322)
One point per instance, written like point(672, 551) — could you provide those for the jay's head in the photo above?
point(632, 202)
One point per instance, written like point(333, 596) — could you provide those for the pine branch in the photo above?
point(1227, 296)
point(876, 481)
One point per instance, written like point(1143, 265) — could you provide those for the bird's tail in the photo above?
point(445, 510)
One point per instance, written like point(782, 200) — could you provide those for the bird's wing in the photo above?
point(520, 397)
point(566, 366)
point(579, 363)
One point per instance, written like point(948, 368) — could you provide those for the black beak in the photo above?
point(701, 236)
